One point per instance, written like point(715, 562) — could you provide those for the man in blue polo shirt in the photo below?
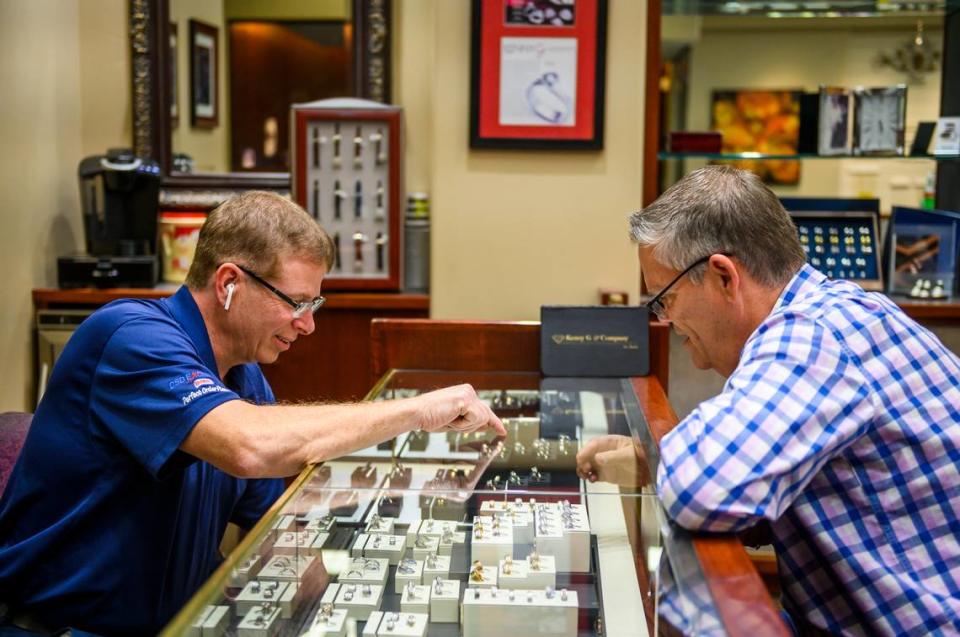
point(157, 429)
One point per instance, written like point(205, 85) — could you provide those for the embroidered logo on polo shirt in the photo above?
point(200, 382)
point(179, 380)
point(203, 391)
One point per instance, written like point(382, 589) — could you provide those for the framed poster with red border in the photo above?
point(537, 74)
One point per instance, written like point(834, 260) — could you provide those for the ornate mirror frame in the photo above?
point(149, 25)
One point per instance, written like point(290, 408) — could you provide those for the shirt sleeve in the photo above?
point(795, 401)
point(150, 389)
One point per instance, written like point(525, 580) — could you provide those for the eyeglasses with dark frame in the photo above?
point(655, 304)
point(299, 309)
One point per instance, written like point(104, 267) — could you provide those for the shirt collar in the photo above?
point(807, 279)
point(185, 311)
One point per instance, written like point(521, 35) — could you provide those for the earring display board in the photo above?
point(840, 237)
point(346, 174)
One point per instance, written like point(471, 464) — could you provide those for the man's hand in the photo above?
point(457, 408)
point(613, 459)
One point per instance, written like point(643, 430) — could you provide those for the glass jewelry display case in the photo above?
point(463, 534)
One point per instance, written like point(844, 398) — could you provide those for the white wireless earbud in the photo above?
point(230, 288)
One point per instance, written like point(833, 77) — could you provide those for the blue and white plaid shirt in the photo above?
point(840, 425)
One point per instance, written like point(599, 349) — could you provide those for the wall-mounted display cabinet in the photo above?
point(745, 70)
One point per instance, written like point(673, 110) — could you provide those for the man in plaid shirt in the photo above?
point(839, 422)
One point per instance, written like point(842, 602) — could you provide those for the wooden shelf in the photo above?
point(46, 298)
point(941, 311)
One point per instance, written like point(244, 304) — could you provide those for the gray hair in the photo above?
point(719, 209)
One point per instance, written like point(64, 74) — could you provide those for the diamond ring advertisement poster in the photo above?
point(537, 74)
point(538, 81)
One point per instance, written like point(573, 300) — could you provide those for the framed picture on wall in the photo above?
point(204, 101)
point(537, 74)
point(763, 121)
point(879, 120)
point(834, 133)
point(174, 100)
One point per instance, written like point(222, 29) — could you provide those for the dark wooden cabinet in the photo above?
point(332, 364)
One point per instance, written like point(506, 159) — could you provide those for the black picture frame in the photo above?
point(174, 93)
point(204, 75)
point(492, 23)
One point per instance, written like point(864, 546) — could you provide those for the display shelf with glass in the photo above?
point(450, 534)
point(664, 155)
point(743, 70)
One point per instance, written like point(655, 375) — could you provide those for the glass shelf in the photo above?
point(803, 9)
point(760, 156)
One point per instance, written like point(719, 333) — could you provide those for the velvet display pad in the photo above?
point(594, 341)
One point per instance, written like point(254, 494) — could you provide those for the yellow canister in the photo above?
point(179, 232)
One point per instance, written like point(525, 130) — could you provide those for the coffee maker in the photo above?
point(119, 195)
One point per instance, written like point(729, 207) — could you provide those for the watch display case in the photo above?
point(346, 174)
point(466, 534)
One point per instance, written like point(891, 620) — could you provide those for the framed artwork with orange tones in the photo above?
point(760, 121)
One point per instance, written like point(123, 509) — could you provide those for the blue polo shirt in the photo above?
point(105, 526)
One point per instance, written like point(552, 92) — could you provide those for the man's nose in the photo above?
point(305, 324)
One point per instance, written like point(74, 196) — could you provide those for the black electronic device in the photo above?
point(119, 198)
point(85, 271)
point(841, 237)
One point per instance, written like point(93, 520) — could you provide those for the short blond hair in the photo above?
point(258, 229)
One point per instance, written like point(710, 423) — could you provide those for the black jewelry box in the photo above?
point(594, 341)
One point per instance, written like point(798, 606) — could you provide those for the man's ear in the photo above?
point(225, 280)
point(726, 273)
